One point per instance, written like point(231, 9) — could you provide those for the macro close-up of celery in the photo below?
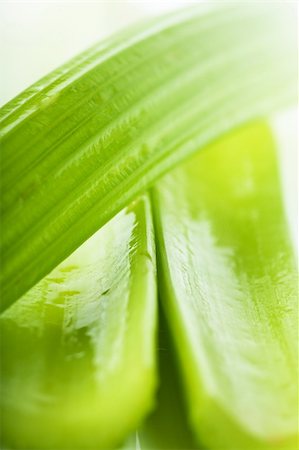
point(149, 274)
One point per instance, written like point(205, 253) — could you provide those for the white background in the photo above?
point(38, 36)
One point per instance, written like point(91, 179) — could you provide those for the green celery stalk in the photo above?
point(229, 291)
point(78, 350)
point(81, 144)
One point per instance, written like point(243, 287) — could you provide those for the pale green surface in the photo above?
point(78, 351)
point(231, 292)
point(80, 145)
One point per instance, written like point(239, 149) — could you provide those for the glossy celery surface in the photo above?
point(230, 292)
point(78, 350)
point(82, 143)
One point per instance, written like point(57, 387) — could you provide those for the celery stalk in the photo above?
point(78, 350)
point(84, 142)
point(229, 292)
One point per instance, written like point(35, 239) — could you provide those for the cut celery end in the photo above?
point(78, 354)
point(230, 289)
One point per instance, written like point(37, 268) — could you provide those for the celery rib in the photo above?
point(230, 288)
point(137, 89)
point(79, 371)
point(71, 189)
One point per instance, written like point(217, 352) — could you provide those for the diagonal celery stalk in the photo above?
point(230, 289)
point(78, 350)
point(82, 143)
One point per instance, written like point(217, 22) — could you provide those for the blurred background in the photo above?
point(37, 36)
